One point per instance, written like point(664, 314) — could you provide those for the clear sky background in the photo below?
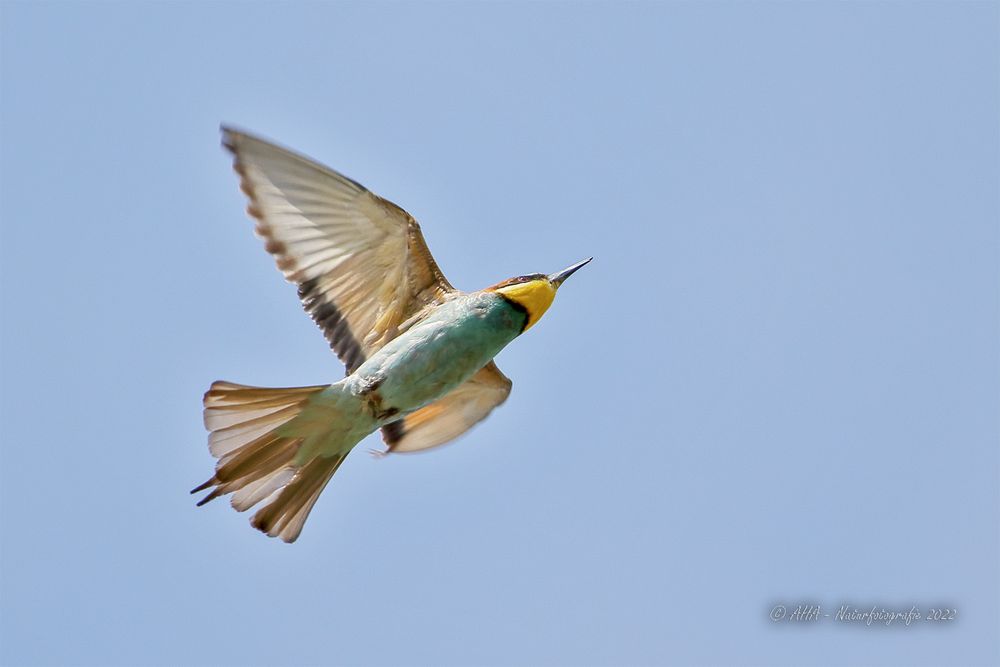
point(777, 383)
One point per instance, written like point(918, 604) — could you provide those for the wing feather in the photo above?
point(451, 416)
point(360, 262)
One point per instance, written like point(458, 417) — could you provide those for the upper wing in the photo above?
point(360, 261)
point(451, 416)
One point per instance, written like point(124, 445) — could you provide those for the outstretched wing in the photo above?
point(451, 416)
point(360, 261)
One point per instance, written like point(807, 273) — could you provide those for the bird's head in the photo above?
point(534, 292)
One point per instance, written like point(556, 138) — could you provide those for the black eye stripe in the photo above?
point(518, 280)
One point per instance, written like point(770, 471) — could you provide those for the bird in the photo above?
point(418, 353)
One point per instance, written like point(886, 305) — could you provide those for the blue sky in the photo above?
point(777, 383)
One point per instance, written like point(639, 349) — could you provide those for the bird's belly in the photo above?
point(433, 358)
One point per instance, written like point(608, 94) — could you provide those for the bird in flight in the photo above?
point(419, 353)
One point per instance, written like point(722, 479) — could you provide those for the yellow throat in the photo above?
point(535, 296)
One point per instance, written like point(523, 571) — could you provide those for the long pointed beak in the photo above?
point(558, 278)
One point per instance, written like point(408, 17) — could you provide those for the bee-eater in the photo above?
point(419, 353)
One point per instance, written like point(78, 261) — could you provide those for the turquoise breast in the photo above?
point(439, 353)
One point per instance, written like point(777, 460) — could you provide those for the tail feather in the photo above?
point(285, 516)
point(237, 414)
point(258, 462)
point(254, 492)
